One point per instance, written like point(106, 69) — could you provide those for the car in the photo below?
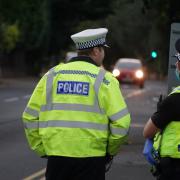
point(128, 70)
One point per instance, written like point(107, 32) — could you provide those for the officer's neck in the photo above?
point(96, 60)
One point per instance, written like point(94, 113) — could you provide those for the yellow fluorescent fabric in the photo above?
point(170, 142)
point(76, 125)
point(170, 145)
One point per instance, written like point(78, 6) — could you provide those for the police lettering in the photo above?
point(73, 87)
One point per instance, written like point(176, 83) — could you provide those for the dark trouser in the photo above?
point(66, 168)
point(170, 169)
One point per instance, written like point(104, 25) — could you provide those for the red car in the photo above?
point(129, 71)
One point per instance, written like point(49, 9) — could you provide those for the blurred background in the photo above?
point(35, 36)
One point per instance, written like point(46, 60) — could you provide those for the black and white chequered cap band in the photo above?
point(90, 38)
point(178, 56)
point(90, 44)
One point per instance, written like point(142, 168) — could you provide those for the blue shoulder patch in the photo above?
point(73, 87)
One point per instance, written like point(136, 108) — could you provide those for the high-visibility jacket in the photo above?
point(76, 110)
point(169, 141)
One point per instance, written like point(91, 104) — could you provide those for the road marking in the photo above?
point(27, 96)
point(156, 99)
point(11, 99)
point(36, 175)
point(7, 100)
point(137, 125)
point(134, 93)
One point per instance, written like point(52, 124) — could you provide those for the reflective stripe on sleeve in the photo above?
point(31, 125)
point(67, 124)
point(119, 131)
point(119, 114)
point(31, 112)
point(175, 89)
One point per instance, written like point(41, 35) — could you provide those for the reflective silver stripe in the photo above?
point(76, 107)
point(97, 85)
point(71, 107)
point(32, 112)
point(119, 131)
point(119, 115)
point(176, 89)
point(49, 85)
point(99, 80)
point(31, 125)
point(66, 124)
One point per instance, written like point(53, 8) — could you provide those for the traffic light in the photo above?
point(153, 54)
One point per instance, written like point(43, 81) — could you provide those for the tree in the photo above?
point(9, 37)
point(65, 16)
point(159, 12)
point(128, 31)
point(22, 23)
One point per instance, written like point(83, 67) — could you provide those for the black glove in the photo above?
point(108, 163)
point(109, 158)
point(45, 157)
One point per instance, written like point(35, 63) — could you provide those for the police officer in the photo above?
point(166, 120)
point(77, 116)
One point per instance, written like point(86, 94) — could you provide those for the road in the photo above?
point(18, 162)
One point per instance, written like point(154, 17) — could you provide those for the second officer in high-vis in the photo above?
point(76, 115)
point(164, 128)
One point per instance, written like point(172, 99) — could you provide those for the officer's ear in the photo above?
point(178, 65)
point(95, 51)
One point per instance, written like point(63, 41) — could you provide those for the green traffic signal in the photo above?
point(154, 54)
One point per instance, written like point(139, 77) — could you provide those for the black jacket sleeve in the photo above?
point(169, 110)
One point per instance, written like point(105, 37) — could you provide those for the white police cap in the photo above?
point(90, 38)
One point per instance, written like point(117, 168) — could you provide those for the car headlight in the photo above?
point(139, 74)
point(116, 72)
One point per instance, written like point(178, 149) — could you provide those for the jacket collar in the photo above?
point(82, 58)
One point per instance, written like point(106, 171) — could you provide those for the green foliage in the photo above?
point(158, 12)
point(30, 17)
point(9, 37)
point(41, 28)
point(66, 15)
point(44, 26)
point(128, 30)
point(31, 23)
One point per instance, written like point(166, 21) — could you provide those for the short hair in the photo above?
point(86, 52)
